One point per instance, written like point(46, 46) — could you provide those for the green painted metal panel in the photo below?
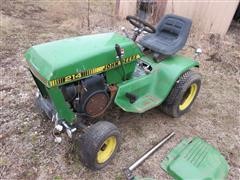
point(62, 107)
point(115, 76)
point(62, 58)
point(41, 86)
point(153, 88)
point(194, 158)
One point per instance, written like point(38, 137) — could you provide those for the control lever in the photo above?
point(124, 31)
point(198, 52)
point(118, 51)
point(119, 56)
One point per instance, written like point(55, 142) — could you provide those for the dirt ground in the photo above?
point(27, 148)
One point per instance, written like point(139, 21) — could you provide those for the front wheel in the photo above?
point(183, 94)
point(98, 145)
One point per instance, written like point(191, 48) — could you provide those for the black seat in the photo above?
point(170, 36)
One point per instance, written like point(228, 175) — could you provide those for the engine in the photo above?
point(89, 96)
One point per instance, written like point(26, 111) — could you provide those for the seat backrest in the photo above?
point(170, 36)
point(173, 27)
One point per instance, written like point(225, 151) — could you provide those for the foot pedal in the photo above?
point(132, 97)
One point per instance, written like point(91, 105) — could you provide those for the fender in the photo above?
point(152, 89)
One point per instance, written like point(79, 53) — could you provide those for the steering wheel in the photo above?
point(135, 21)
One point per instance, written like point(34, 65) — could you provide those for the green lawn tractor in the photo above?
point(78, 78)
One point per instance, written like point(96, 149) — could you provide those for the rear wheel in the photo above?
point(183, 94)
point(98, 145)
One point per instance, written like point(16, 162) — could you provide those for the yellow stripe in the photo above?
point(53, 83)
point(92, 71)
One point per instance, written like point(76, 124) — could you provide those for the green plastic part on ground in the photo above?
point(194, 158)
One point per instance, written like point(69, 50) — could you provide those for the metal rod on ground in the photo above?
point(128, 171)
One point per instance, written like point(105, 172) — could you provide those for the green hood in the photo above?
point(58, 59)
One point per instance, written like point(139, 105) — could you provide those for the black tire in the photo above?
point(89, 144)
point(173, 104)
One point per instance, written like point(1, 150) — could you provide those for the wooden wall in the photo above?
point(212, 16)
point(125, 7)
point(209, 16)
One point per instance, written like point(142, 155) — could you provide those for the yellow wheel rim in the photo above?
point(188, 97)
point(107, 149)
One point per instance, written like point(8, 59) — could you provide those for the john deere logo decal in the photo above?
point(93, 71)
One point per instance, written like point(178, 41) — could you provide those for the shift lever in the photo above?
point(119, 56)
